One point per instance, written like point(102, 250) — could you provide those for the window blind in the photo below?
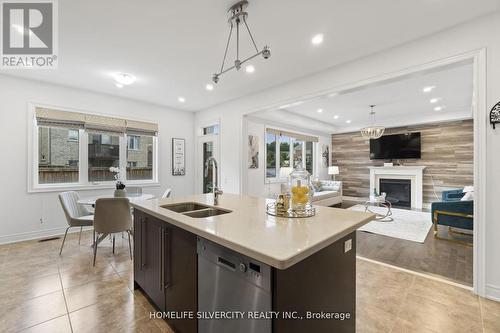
point(100, 124)
point(134, 127)
point(93, 123)
point(300, 137)
point(56, 118)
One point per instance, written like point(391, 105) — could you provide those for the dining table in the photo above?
point(90, 201)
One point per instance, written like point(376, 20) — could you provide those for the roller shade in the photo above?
point(100, 124)
point(141, 128)
point(301, 137)
point(56, 118)
point(93, 123)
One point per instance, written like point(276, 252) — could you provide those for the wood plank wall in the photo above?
point(447, 152)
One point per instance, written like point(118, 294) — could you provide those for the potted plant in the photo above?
point(120, 186)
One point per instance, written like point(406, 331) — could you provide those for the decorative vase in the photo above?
point(120, 193)
point(300, 188)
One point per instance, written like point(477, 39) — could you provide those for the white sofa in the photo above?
point(327, 193)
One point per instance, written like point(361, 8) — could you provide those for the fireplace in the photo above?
point(398, 191)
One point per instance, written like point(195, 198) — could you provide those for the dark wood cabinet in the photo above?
point(165, 267)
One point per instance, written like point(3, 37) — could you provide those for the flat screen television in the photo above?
point(396, 147)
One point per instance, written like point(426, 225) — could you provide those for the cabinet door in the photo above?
point(154, 286)
point(139, 249)
point(181, 276)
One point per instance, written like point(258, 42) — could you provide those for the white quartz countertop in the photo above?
point(278, 242)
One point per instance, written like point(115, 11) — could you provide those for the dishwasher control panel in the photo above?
point(247, 268)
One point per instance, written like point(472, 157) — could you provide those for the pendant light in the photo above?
point(372, 131)
point(238, 18)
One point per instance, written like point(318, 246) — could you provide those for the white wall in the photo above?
point(477, 34)
point(254, 179)
point(22, 211)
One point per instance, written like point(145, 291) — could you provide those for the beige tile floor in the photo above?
point(41, 291)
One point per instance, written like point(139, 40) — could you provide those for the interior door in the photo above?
point(208, 146)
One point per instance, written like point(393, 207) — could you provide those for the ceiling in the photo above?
point(399, 102)
point(174, 47)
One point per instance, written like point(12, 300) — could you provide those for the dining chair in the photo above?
point(77, 215)
point(133, 190)
point(167, 193)
point(112, 215)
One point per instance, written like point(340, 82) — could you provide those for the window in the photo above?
point(103, 152)
point(214, 129)
point(287, 150)
point(133, 142)
point(270, 155)
point(73, 135)
point(77, 149)
point(104, 139)
point(140, 157)
point(58, 158)
point(309, 157)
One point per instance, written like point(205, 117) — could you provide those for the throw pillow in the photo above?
point(316, 184)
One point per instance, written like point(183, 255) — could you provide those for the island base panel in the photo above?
point(322, 283)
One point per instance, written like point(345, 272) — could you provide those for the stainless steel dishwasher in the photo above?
point(230, 282)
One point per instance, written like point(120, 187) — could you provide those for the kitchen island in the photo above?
point(193, 260)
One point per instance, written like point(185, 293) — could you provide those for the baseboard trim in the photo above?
point(427, 276)
point(493, 292)
point(39, 234)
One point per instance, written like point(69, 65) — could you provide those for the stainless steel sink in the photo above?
point(207, 212)
point(185, 207)
point(195, 210)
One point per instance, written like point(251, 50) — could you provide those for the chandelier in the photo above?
point(238, 17)
point(372, 132)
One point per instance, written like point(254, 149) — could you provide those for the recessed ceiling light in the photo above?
point(348, 121)
point(336, 116)
point(124, 78)
point(118, 85)
point(181, 99)
point(428, 89)
point(250, 69)
point(209, 87)
point(317, 39)
point(439, 108)
point(434, 100)
point(320, 110)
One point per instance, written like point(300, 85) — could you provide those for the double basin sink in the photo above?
point(195, 210)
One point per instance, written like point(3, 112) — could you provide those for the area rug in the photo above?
point(408, 224)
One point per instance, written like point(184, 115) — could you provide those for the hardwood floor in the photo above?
point(41, 291)
point(446, 259)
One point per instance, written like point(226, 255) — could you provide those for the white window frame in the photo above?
point(277, 179)
point(83, 183)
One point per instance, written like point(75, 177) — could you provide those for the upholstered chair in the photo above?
point(77, 215)
point(112, 215)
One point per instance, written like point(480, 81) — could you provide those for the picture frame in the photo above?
point(178, 157)
point(253, 152)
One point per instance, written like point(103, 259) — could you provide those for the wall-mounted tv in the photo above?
point(396, 147)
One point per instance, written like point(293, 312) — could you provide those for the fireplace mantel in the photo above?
point(413, 173)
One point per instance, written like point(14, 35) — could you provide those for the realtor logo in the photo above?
point(29, 34)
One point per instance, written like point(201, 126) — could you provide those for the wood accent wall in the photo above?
point(447, 152)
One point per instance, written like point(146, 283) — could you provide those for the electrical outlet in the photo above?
point(348, 245)
point(41, 220)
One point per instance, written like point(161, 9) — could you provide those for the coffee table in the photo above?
point(380, 202)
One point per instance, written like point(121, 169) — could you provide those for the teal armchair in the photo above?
point(453, 213)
